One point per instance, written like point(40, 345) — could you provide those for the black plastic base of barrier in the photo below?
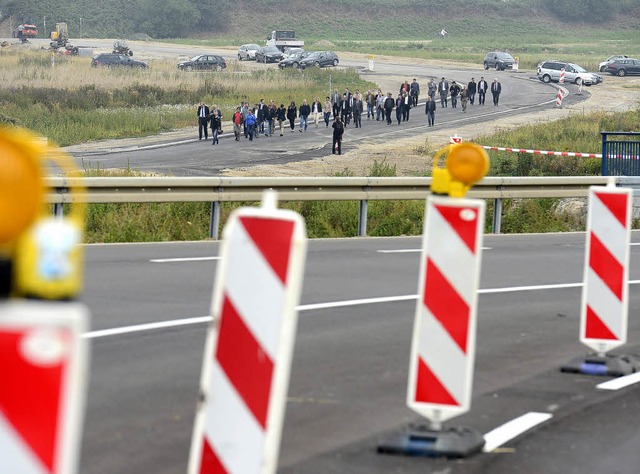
point(458, 442)
point(607, 364)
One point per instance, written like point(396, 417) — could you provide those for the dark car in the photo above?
point(204, 62)
point(499, 60)
point(293, 60)
point(320, 59)
point(622, 67)
point(269, 54)
point(117, 60)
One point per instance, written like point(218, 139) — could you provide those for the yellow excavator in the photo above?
point(60, 36)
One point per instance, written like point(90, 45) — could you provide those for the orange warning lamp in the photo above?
point(467, 163)
point(21, 189)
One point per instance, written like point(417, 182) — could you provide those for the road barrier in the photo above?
point(249, 347)
point(544, 152)
point(220, 189)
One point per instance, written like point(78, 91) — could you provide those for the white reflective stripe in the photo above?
point(233, 432)
point(604, 303)
point(609, 230)
point(15, 455)
point(443, 355)
point(452, 256)
point(255, 290)
point(512, 429)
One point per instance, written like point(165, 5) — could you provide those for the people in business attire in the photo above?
point(407, 104)
point(345, 109)
point(483, 87)
point(415, 92)
point(338, 131)
point(335, 103)
point(430, 110)
point(472, 87)
point(455, 92)
point(443, 89)
point(432, 87)
point(389, 103)
point(496, 88)
point(399, 107)
point(357, 109)
point(203, 119)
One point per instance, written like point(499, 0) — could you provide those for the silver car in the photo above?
point(549, 71)
point(248, 52)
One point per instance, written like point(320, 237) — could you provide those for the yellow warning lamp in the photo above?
point(44, 251)
point(21, 191)
point(466, 164)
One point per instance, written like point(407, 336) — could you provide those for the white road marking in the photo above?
point(512, 429)
point(316, 306)
point(185, 259)
point(620, 382)
point(413, 250)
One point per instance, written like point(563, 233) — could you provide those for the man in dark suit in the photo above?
point(443, 90)
point(472, 87)
point(483, 87)
point(203, 118)
point(496, 88)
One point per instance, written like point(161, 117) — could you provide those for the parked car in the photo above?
point(320, 59)
point(117, 60)
point(602, 66)
point(291, 51)
point(499, 60)
point(269, 54)
point(247, 52)
point(203, 62)
point(550, 71)
point(293, 60)
point(622, 67)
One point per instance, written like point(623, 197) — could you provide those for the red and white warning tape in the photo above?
point(544, 152)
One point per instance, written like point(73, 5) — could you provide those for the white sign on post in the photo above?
point(605, 295)
point(444, 333)
point(43, 365)
point(247, 357)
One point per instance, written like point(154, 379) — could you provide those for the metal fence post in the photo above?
point(604, 154)
point(214, 220)
point(362, 218)
point(58, 210)
point(497, 216)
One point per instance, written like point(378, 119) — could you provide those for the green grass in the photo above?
point(190, 221)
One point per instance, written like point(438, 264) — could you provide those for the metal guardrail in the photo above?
point(230, 189)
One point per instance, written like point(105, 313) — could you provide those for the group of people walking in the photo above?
point(266, 119)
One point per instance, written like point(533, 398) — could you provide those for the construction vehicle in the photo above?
point(60, 39)
point(24, 31)
point(122, 47)
point(60, 36)
point(284, 39)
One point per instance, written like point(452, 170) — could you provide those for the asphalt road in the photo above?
point(348, 381)
point(521, 94)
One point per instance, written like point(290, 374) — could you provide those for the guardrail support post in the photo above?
point(58, 210)
point(497, 216)
point(362, 218)
point(214, 221)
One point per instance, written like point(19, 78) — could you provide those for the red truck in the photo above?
point(25, 31)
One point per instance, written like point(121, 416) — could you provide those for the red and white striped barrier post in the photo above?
point(43, 365)
point(249, 347)
point(444, 332)
point(561, 80)
point(605, 295)
point(559, 98)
